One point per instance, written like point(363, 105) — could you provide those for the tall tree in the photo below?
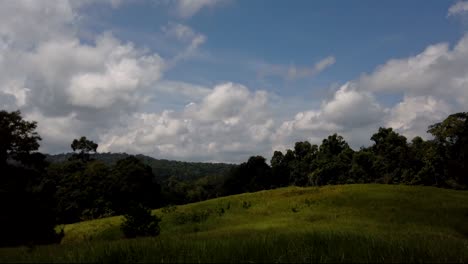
point(84, 147)
point(333, 162)
point(18, 137)
point(392, 155)
point(279, 169)
point(26, 207)
point(451, 136)
point(249, 176)
point(132, 182)
point(302, 166)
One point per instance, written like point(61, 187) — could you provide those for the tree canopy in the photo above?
point(17, 136)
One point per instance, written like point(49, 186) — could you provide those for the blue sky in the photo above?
point(219, 80)
point(362, 34)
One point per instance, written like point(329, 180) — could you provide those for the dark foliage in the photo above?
point(27, 207)
point(162, 169)
point(132, 181)
point(250, 176)
point(82, 148)
point(139, 222)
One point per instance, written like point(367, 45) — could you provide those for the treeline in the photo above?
point(162, 169)
point(36, 195)
point(391, 159)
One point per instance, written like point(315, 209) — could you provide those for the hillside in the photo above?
point(162, 168)
point(344, 223)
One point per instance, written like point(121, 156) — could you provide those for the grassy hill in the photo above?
point(346, 223)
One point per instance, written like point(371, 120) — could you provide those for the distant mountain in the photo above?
point(162, 168)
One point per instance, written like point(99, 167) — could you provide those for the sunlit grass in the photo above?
point(363, 223)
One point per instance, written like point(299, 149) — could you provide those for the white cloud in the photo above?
point(184, 34)
point(413, 115)
point(23, 22)
point(57, 132)
point(437, 71)
point(434, 84)
point(124, 72)
point(188, 8)
point(350, 113)
point(229, 124)
point(293, 72)
point(181, 90)
point(458, 8)
point(229, 102)
point(65, 84)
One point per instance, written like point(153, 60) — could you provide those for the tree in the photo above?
point(451, 137)
point(279, 169)
point(18, 137)
point(84, 147)
point(362, 167)
point(249, 176)
point(27, 215)
point(138, 221)
point(333, 162)
point(132, 182)
point(392, 155)
point(302, 166)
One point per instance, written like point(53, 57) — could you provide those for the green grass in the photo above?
point(345, 223)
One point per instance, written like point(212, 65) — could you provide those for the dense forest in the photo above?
point(39, 191)
point(162, 168)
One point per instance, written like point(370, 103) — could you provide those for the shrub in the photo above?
point(295, 209)
point(246, 204)
point(140, 222)
point(220, 211)
point(169, 209)
point(193, 216)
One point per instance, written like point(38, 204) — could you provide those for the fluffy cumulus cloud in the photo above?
point(228, 124)
point(101, 88)
point(62, 82)
point(351, 113)
point(459, 7)
point(413, 115)
point(434, 83)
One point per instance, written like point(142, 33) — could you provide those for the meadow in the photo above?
point(340, 223)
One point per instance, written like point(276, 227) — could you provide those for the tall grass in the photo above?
point(254, 247)
point(352, 223)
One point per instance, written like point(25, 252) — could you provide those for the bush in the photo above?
point(169, 209)
point(140, 222)
point(193, 216)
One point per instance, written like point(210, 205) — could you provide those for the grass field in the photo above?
point(345, 223)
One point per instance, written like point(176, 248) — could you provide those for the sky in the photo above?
point(222, 80)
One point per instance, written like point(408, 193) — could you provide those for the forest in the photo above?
point(40, 191)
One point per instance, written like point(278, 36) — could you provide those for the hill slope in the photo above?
point(347, 223)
